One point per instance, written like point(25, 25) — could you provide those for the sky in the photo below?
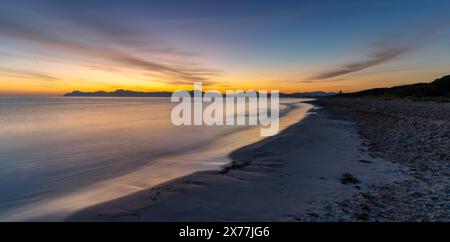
point(50, 47)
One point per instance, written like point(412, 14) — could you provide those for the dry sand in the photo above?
point(414, 135)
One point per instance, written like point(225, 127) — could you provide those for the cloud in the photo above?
point(106, 50)
point(324, 80)
point(378, 58)
point(387, 49)
point(29, 74)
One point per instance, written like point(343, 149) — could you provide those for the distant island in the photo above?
point(127, 93)
point(118, 93)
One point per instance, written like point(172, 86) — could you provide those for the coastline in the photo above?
point(202, 156)
point(294, 176)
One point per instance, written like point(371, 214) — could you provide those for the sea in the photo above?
point(62, 154)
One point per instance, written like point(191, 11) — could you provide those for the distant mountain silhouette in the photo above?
point(439, 88)
point(308, 94)
point(118, 93)
point(127, 93)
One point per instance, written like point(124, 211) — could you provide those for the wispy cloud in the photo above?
point(29, 74)
point(378, 58)
point(107, 51)
point(324, 80)
point(387, 49)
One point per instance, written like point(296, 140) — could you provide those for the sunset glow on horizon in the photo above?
point(53, 47)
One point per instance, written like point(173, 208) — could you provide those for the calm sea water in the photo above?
point(58, 155)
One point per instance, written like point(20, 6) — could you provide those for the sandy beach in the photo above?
point(414, 135)
point(271, 112)
point(320, 169)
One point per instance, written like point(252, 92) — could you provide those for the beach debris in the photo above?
point(365, 161)
point(348, 178)
point(234, 165)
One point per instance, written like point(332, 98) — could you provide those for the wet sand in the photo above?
point(302, 174)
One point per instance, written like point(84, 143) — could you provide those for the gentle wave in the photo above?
point(59, 155)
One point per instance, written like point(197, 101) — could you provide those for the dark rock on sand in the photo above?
point(347, 178)
point(365, 161)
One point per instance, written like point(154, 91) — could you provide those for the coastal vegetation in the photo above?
point(438, 90)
